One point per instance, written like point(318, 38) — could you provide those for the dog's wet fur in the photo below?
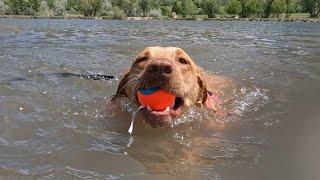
point(171, 69)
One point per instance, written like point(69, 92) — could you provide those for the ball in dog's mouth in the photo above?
point(160, 105)
point(155, 99)
point(160, 118)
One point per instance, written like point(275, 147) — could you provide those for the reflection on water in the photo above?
point(55, 127)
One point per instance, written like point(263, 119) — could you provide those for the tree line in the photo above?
point(120, 9)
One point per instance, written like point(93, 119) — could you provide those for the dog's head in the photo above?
point(171, 69)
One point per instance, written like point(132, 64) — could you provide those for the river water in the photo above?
point(61, 127)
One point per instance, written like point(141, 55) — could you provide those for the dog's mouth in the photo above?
point(172, 110)
point(155, 117)
point(159, 118)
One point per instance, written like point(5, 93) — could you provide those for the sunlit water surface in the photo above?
point(54, 127)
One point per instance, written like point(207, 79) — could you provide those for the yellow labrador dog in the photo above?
point(171, 69)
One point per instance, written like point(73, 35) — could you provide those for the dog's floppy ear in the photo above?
point(203, 93)
point(121, 91)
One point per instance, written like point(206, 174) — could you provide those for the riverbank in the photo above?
point(295, 19)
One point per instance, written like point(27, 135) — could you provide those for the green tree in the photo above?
point(155, 13)
point(96, 6)
point(128, 6)
point(16, 7)
point(264, 8)
point(86, 7)
point(253, 7)
point(2, 7)
point(210, 7)
point(118, 13)
point(165, 10)
point(188, 8)
point(292, 7)
point(233, 7)
point(106, 8)
point(312, 7)
point(59, 7)
point(72, 5)
point(278, 7)
point(145, 7)
point(250, 8)
point(44, 9)
point(34, 5)
point(91, 7)
point(132, 7)
point(177, 7)
point(51, 3)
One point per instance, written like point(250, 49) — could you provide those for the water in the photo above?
point(54, 127)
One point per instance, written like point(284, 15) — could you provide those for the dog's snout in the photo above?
point(160, 66)
point(167, 68)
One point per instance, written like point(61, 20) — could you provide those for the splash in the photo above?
point(132, 110)
point(250, 100)
point(189, 116)
point(134, 115)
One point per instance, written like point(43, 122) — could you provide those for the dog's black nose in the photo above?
point(160, 67)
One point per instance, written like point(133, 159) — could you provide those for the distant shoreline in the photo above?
point(162, 18)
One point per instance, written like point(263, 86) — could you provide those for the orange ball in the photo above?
point(157, 101)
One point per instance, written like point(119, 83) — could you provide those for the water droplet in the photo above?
point(267, 124)
point(131, 139)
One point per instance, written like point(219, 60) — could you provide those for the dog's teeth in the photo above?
point(149, 108)
point(167, 109)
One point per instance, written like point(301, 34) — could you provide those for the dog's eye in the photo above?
point(145, 58)
point(183, 61)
